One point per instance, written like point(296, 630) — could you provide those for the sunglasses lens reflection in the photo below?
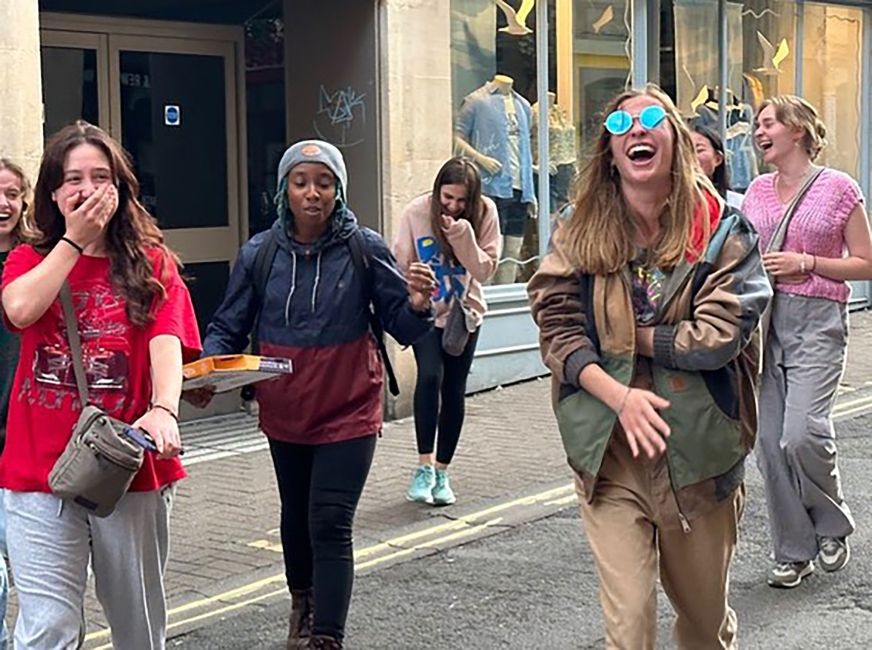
point(619, 122)
point(652, 116)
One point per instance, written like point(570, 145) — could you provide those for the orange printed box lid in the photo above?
point(228, 371)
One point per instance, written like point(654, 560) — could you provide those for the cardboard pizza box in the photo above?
point(228, 371)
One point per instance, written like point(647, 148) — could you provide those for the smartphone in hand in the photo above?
point(140, 437)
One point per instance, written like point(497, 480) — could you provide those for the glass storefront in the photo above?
point(717, 58)
point(831, 79)
point(496, 112)
point(771, 46)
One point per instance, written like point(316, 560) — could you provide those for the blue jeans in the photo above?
point(4, 579)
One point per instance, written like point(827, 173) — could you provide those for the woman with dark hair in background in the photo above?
point(455, 230)
point(138, 325)
point(712, 158)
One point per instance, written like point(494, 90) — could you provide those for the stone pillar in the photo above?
point(21, 80)
point(417, 124)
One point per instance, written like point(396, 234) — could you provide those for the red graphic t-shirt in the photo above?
point(44, 403)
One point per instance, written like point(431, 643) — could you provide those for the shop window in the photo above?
point(494, 87)
point(831, 69)
point(600, 63)
point(764, 67)
point(760, 63)
point(694, 67)
point(69, 87)
point(696, 41)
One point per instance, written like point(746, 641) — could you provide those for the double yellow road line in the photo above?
point(421, 542)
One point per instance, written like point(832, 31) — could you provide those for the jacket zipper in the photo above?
point(685, 524)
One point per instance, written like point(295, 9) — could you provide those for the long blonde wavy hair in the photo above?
point(598, 236)
point(25, 230)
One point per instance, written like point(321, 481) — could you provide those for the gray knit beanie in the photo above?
point(315, 151)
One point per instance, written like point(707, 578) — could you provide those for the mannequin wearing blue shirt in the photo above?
point(493, 129)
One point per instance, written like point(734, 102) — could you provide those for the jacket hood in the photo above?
point(705, 221)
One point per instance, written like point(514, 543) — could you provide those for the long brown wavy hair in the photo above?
point(598, 237)
point(131, 231)
point(24, 230)
point(456, 171)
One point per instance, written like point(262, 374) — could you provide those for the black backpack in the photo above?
point(263, 262)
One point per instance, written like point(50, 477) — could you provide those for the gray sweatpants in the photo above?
point(796, 452)
point(50, 542)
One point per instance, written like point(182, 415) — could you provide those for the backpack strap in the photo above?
point(263, 262)
point(362, 265)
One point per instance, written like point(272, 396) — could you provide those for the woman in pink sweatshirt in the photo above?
point(827, 243)
point(456, 230)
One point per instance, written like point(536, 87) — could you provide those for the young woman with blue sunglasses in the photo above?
point(646, 306)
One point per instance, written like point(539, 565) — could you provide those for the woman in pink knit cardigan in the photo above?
point(456, 231)
point(827, 243)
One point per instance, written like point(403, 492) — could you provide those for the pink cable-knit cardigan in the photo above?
point(817, 226)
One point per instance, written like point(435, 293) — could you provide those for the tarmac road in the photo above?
point(532, 585)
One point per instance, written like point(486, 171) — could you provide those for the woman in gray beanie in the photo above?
point(322, 421)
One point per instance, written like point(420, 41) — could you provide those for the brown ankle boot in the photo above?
point(302, 615)
point(323, 642)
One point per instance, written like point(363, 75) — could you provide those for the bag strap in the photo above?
point(75, 342)
point(361, 261)
point(780, 233)
point(263, 262)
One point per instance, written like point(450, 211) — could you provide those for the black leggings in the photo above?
point(440, 375)
point(319, 488)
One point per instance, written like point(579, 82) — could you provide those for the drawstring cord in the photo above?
point(293, 288)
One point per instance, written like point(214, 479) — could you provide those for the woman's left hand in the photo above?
point(163, 429)
point(785, 264)
point(420, 282)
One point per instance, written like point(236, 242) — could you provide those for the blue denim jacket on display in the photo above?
point(483, 124)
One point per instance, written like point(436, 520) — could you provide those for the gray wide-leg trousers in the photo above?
point(796, 451)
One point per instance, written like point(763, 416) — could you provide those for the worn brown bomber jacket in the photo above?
point(705, 358)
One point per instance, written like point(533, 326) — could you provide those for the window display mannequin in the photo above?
point(561, 151)
point(493, 130)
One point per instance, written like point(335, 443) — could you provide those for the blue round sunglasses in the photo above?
point(620, 121)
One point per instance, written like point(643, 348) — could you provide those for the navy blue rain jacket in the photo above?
point(315, 313)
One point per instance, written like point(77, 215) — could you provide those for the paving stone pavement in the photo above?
point(225, 517)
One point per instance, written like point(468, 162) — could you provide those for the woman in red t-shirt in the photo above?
point(137, 326)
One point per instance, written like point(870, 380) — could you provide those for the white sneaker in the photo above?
point(833, 553)
point(787, 575)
